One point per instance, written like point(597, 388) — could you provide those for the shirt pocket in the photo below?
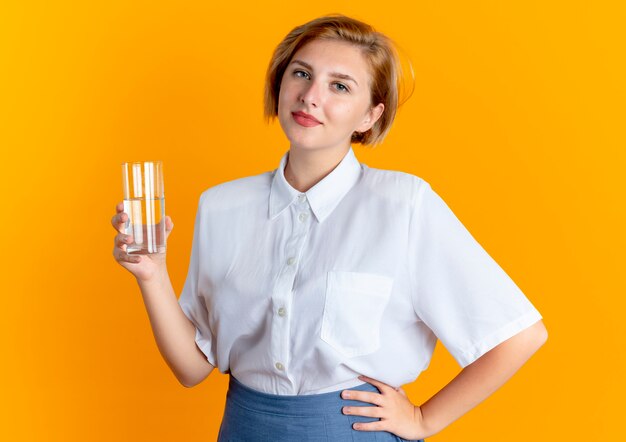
point(353, 310)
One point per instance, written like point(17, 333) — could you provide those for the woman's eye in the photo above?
point(296, 73)
point(339, 86)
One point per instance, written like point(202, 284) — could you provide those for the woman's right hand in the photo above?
point(143, 267)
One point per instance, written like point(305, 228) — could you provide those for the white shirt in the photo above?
point(299, 293)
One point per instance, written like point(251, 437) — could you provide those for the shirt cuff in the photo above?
point(205, 346)
point(467, 356)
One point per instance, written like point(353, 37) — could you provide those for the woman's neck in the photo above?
point(304, 169)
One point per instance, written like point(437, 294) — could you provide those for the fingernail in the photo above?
point(345, 394)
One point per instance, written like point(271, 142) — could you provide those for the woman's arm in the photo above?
point(174, 332)
point(480, 379)
point(469, 388)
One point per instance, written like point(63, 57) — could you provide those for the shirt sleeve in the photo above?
point(192, 300)
point(458, 290)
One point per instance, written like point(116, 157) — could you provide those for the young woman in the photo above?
point(321, 287)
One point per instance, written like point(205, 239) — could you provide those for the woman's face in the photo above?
point(329, 81)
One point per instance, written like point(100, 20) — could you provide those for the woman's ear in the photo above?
point(371, 118)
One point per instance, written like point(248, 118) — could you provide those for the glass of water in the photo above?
point(144, 203)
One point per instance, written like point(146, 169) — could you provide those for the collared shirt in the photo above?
point(299, 293)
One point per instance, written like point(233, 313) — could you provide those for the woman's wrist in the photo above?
point(422, 428)
point(159, 279)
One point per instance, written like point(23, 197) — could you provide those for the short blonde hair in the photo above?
point(379, 52)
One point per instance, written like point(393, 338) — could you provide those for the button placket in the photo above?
point(283, 295)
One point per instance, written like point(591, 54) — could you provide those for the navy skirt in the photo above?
point(251, 416)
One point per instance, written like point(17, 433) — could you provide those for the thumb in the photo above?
point(169, 225)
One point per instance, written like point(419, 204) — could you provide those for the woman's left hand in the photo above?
point(397, 414)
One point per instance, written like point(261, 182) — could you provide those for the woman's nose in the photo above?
point(310, 94)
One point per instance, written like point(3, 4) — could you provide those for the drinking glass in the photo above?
point(144, 203)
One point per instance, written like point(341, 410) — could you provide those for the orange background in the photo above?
point(517, 120)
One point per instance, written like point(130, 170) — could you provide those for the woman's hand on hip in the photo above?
point(396, 412)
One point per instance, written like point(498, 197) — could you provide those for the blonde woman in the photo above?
point(321, 287)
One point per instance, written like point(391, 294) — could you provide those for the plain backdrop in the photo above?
point(516, 120)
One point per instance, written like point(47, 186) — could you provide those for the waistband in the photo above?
point(294, 405)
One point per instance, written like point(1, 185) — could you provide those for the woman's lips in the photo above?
point(304, 121)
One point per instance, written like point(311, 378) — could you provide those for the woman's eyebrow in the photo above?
point(332, 74)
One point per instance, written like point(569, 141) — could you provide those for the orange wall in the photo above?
point(517, 120)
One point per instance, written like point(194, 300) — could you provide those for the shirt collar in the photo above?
point(324, 196)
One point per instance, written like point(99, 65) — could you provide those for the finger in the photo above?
point(364, 411)
point(119, 207)
point(122, 256)
point(363, 396)
point(381, 386)
point(370, 426)
point(118, 221)
point(169, 224)
point(122, 239)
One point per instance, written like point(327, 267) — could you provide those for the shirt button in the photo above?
point(303, 217)
point(282, 311)
point(301, 198)
point(280, 366)
point(291, 260)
